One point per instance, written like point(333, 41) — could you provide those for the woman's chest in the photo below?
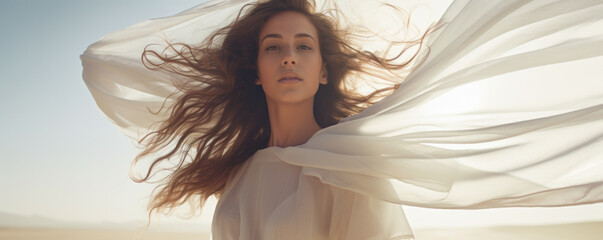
point(269, 199)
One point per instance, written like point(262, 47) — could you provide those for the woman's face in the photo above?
point(290, 66)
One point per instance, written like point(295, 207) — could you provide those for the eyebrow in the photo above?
point(299, 35)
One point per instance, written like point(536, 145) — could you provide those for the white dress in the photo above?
point(507, 110)
point(271, 199)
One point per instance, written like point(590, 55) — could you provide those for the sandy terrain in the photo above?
point(576, 231)
point(67, 234)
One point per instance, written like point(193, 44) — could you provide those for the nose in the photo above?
point(288, 60)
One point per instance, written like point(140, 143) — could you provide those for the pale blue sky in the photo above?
point(60, 157)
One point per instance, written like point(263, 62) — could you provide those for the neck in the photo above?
point(291, 124)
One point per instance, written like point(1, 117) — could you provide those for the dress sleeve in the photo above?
point(505, 111)
point(126, 91)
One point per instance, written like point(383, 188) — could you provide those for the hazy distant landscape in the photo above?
point(79, 234)
point(15, 227)
point(8, 220)
point(579, 231)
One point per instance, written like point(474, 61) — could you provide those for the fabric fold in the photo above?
point(506, 111)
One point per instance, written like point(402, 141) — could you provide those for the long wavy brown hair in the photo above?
point(221, 119)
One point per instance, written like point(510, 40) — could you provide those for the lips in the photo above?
point(290, 78)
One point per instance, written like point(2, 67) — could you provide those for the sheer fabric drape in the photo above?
point(505, 111)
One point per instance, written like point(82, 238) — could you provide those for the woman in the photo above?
point(279, 176)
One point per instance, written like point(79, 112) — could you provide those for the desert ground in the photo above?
point(82, 234)
point(574, 231)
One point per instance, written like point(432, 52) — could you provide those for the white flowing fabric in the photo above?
point(507, 110)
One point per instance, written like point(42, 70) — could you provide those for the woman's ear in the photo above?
point(257, 79)
point(324, 75)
